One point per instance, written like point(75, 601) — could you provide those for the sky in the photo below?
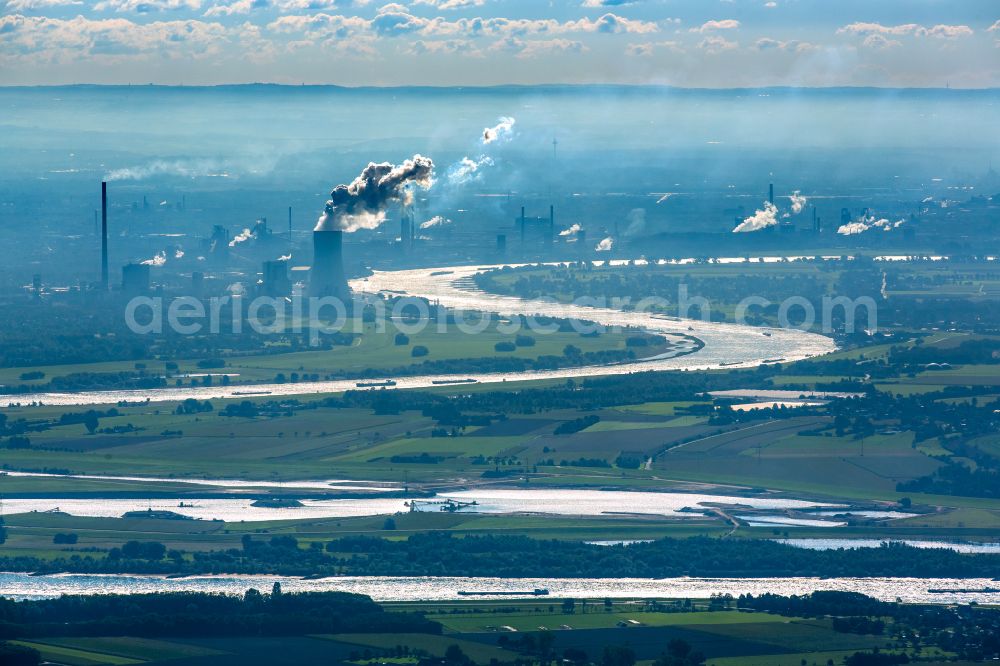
point(689, 43)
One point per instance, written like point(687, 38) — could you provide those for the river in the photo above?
point(405, 588)
point(553, 501)
point(729, 345)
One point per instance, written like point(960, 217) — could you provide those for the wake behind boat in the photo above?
point(537, 592)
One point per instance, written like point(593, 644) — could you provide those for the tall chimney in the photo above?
point(404, 232)
point(770, 193)
point(326, 277)
point(552, 222)
point(522, 225)
point(104, 235)
point(289, 224)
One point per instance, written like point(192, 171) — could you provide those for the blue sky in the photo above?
point(697, 43)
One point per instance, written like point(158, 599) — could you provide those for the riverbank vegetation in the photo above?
point(912, 294)
point(68, 360)
point(435, 554)
point(197, 614)
point(258, 628)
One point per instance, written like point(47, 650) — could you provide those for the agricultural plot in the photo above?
point(426, 643)
point(776, 454)
point(594, 618)
point(372, 350)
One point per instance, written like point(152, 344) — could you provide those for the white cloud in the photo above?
point(610, 23)
point(320, 27)
point(880, 42)
point(451, 4)
point(66, 40)
point(395, 21)
point(794, 45)
point(646, 49)
point(536, 47)
point(445, 46)
point(237, 7)
point(861, 28)
point(146, 6)
point(716, 44)
point(949, 31)
point(30, 5)
point(306, 5)
point(940, 31)
point(712, 26)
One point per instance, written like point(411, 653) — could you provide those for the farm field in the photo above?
point(673, 450)
point(373, 349)
point(725, 637)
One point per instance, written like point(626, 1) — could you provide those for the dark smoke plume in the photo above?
point(362, 204)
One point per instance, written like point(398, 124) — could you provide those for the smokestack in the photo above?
point(770, 193)
point(326, 277)
point(522, 225)
point(104, 235)
point(405, 232)
point(289, 224)
point(552, 223)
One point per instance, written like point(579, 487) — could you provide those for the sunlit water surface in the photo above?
point(404, 588)
point(493, 501)
point(729, 345)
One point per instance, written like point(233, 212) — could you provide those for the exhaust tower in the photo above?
point(104, 235)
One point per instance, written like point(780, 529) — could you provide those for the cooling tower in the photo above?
point(326, 277)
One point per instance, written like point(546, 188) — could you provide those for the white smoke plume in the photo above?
point(636, 222)
point(158, 259)
point(467, 170)
point(762, 219)
point(852, 228)
point(180, 168)
point(436, 221)
point(798, 202)
point(241, 237)
point(866, 224)
point(362, 203)
point(179, 253)
point(499, 132)
point(285, 257)
point(572, 231)
point(605, 245)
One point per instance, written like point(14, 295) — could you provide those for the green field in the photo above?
point(432, 645)
point(373, 349)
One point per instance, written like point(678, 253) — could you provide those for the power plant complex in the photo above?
point(254, 260)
